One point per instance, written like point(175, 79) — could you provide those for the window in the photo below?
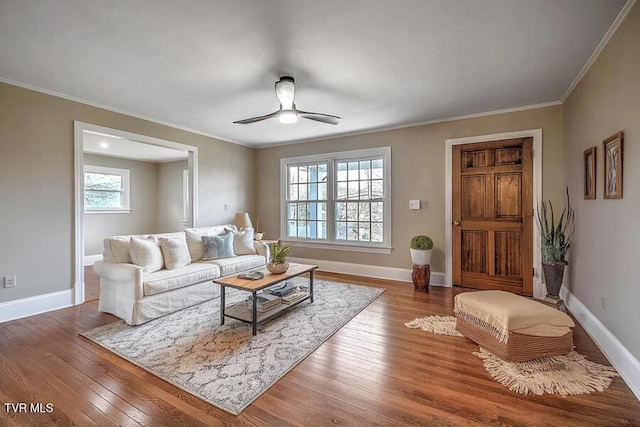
point(338, 199)
point(106, 189)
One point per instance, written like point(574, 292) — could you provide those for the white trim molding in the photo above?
point(375, 271)
point(536, 134)
point(25, 307)
point(625, 363)
point(89, 260)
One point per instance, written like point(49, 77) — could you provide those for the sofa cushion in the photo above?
point(194, 238)
point(243, 242)
point(146, 253)
point(166, 280)
point(237, 264)
point(116, 249)
point(175, 252)
point(216, 247)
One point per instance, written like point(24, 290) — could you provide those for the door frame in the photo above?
point(78, 153)
point(536, 134)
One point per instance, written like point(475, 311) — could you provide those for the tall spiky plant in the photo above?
point(556, 238)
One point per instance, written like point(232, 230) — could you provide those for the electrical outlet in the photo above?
point(604, 304)
point(10, 282)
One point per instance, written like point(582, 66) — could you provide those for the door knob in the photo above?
point(456, 222)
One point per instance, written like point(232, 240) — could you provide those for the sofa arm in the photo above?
point(128, 275)
point(262, 249)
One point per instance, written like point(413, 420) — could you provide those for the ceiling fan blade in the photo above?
point(285, 91)
point(319, 117)
point(258, 118)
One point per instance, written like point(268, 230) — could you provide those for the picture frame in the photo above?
point(590, 158)
point(612, 157)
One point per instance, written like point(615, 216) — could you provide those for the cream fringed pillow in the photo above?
point(175, 252)
point(243, 242)
point(146, 253)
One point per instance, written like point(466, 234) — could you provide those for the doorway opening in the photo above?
point(110, 145)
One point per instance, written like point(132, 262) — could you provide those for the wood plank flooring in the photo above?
point(374, 371)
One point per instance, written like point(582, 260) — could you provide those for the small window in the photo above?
point(106, 189)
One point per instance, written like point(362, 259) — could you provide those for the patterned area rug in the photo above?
point(569, 374)
point(225, 365)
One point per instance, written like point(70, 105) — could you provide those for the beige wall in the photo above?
point(170, 195)
point(604, 259)
point(37, 176)
point(144, 190)
point(418, 172)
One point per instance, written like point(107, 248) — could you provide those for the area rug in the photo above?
point(569, 374)
point(225, 365)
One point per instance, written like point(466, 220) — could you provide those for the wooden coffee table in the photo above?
point(241, 312)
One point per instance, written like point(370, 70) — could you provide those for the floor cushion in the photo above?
point(513, 327)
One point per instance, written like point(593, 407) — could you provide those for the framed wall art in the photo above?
point(613, 161)
point(590, 173)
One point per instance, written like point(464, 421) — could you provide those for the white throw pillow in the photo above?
point(146, 253)
point(116, 249)
point(243, 242)
point(175, 252)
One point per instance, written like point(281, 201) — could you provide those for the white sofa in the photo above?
point(143, 277)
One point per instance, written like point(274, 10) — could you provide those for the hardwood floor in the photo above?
point(374, 371)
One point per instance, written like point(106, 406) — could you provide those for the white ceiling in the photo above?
point(201, 64)
point(115, 146)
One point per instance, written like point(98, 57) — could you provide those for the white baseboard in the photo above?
point(625, 363)
point(379, 272)
point(91, 259)
point(17, 309)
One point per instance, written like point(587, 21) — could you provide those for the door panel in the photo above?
point(493, 215)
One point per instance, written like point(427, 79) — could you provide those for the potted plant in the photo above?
point(420, 247)
point(278, 261)
point(556, 241)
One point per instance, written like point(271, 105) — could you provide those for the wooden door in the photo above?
point(492, 215)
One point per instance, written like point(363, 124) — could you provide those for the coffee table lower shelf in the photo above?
point(242, 312)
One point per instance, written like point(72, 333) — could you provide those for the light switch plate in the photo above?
point(414, 204)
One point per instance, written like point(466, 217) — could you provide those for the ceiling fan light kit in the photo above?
point(288, 116)
point(285, 92)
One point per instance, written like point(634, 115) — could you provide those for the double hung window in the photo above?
point(338, 199)
point(106, 189)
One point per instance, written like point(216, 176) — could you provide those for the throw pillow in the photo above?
point(243, 242)
point(216, 247)
point(175, 252)
point(116, 249)
point(146, 253)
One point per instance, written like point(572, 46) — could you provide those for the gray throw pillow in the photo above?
point(216, 247)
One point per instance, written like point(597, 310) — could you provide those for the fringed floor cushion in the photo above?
point(512, 327)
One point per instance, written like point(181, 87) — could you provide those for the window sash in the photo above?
point(116, 196)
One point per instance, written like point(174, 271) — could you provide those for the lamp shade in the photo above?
point(242, 220)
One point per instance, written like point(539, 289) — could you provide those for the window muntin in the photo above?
point(338, 198)
point(106, 189)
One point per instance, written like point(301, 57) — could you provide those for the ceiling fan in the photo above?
point(288, 113)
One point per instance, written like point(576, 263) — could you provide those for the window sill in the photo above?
point(337, 246)
point(107, 211)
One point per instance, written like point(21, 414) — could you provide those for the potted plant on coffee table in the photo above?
point(420, 247)
point(556, 241)
point(278, 262)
